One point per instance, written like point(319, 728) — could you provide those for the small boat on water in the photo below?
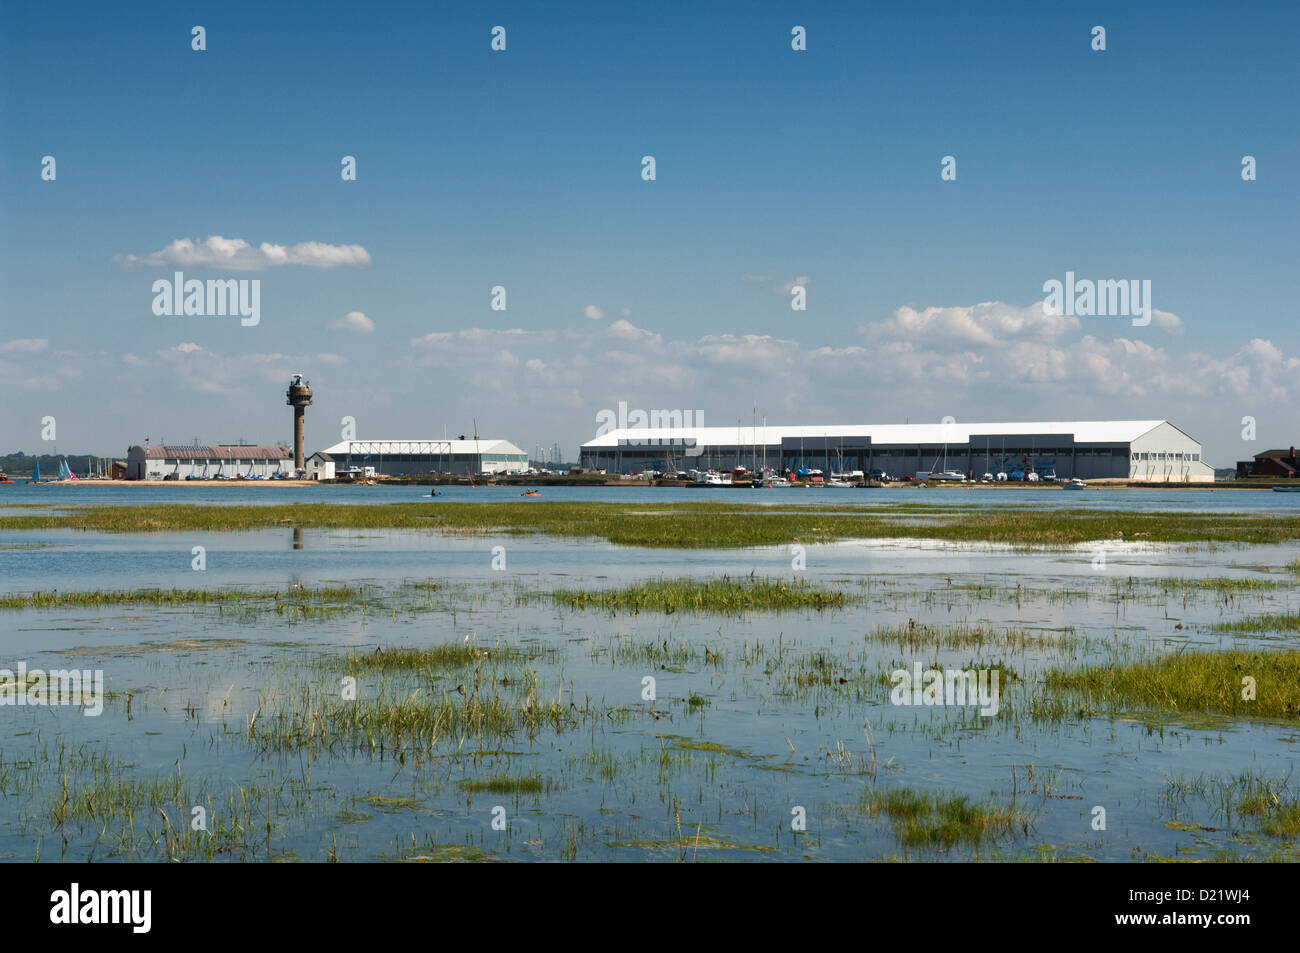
point(4, 477)
point(1286, 489)
point(531, 493)
point(1075, 484)
point(435, 493)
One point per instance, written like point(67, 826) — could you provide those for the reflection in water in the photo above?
point(297, 537)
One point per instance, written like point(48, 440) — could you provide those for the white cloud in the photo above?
point(990, 323)
point(625, 330)
point(800, 282)
point(593, 312)
point(1166, 321)
point(235, 254)
point(24, 346)
point(354, 321)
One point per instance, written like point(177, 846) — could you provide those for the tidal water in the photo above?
point(759, 739)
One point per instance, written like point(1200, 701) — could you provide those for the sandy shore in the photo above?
point(81, 483)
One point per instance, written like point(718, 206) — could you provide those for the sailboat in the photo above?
point(65, 472)
point(943, 474)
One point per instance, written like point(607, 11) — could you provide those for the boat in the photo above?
point(435, 493)
point(4, 477)
point(987, 478)
point(941, 472)
point(531, 493)
point(839, 483)
point(1286, 489)
point(713, 478)
point(1075, 484)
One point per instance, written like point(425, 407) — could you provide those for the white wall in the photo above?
point(1165, 455)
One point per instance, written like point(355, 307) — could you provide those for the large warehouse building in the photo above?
point(427, 456)
point(230, 461)
point(1138, 450)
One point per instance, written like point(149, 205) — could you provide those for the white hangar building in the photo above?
point(410, 457)
point(224, 461)
point(1136, 450)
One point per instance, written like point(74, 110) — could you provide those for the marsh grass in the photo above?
point(1268, 804)
point(505, 784)
point(149, 816)
point(1222, 584)
point(1275, 622)
point(941, 821)
point(688, 524)
point(392, 718)
point(294, 597)
point(429, 659)
point(917, 636)
point(1196, 682)
point(1274, 812)
point(723, 595)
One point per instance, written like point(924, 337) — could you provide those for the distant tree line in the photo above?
point(22, 464)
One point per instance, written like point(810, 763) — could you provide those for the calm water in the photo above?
point(736, 742)
point(206, 494)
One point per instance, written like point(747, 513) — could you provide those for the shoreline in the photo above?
point(642, 484)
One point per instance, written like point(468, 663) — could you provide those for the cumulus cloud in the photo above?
point(990, 324)
point(235, 254)
point(593, 312)
point(24, 346)
point(354, 321)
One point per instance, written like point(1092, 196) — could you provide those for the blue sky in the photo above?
point(522, 169)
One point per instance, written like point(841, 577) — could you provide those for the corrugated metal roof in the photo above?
point(223, 452)
point(1083, 431)
point(358, 448)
